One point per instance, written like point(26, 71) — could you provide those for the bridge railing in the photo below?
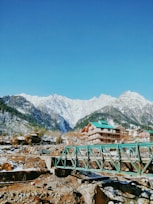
point(129, 158)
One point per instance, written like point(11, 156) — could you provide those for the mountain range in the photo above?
point(57, 112)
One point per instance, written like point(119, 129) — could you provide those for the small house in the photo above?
point(143, 136)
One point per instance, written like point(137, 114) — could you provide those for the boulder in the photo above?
point(93, 194)
point(7, 167)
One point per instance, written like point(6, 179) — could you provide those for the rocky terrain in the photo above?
point(77, 189)
point(25, 178)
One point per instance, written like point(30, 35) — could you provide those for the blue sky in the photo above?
point(76, 48)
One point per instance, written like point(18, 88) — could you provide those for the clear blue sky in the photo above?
point(76, 48)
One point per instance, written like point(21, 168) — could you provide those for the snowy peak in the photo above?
point(129, 95)
point(70, 109)
point(132, 99)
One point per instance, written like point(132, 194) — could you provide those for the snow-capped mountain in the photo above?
point(129, 103)
point(132, 100)
point(134, 105)
point(64, 113)
point(50, 121)
point(128, 109)
point(70, 109)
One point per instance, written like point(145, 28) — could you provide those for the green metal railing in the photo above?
point(130, 158)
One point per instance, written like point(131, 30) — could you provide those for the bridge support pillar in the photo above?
point(48, 162)
point(62, 172)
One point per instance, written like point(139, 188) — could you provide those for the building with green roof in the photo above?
point(101, 132)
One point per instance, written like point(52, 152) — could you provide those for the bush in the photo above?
point(59, 140)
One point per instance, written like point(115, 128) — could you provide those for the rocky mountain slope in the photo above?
point(60, 112)
point(12, 120)
point(130, 109)
point(21, 116)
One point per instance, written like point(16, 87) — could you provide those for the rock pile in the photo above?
point(51, 189)
point(45, 189)
point(112, 191)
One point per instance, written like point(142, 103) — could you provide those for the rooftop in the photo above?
point(102, 124)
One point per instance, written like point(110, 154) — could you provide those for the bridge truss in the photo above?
point(135, 159)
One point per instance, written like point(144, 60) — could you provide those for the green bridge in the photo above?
point(135, 159)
